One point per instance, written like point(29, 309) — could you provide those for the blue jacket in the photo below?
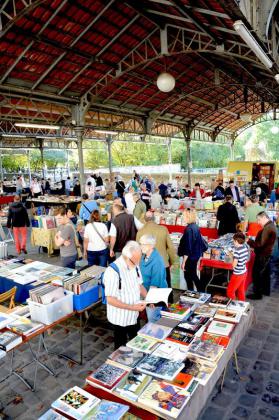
point(192, 243)
point(153, 271)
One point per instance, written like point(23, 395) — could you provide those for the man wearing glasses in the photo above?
point(123, 290)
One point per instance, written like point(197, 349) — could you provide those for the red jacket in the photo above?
point(193, 193)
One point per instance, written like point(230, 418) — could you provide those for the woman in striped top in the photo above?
point(236, 286)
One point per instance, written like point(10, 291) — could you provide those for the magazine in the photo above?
point(159, 332)
point(76, 403)
point(171, 351)
point(160, 367)
point(206, 350)
point(220, 328)
point(165, 398)
point(109, 410)
point(133, 385)
point(157, 295)
point(143, 344)
point(228, 315)
point(200, 369)
point(106, 376)
point(126, 356)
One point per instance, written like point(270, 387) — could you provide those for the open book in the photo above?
point(156, 295)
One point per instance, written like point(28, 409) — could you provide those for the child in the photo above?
point(236, 286)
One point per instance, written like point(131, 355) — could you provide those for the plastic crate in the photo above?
point(47, 314)
point(86, 299)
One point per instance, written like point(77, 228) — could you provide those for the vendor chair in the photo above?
point(8, 296)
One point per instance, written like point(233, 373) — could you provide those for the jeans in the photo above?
point(153, 315)
point(70, 261)
point(67, 192)
point(20, 236)
point(98, 257)
point(190, 275)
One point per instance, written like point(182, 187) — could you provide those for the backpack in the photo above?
point(102, 285)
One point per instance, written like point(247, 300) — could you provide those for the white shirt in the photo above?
point(129, 293)
point(68, 184)
point(156, 201)
point(130, 202)
point(112, 230)
point(35, 188)
point(95, 242)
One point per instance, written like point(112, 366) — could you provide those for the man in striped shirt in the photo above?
point(123, 291)
point(236, 286)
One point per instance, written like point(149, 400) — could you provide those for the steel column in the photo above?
point(109, 143)
point(189, 160)
point(79, 133)
point(169, 159)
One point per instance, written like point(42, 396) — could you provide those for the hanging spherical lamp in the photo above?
point(165, 82)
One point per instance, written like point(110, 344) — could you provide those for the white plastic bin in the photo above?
point(47, 314)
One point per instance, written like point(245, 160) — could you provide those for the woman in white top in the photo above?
point(96, 240)
point(35, 188)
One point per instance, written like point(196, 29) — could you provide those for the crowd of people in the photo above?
point(139, 253)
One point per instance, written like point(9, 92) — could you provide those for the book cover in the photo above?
point(126, 356)
point(143, 344)
point(76, 403)
point(193, 323)
point(206, 310)
point(217, 339)
point(52, 415)
point(165, 398)
point(156, 295)
point(109, 410)
point(179, 335)
point(107, 375)
point(133, 385)
point(171, 351)
point(168, 322)
point(160, 367)
point(206, 350)
point(4, 320)
point(228, 315)
point(8, 340)
point(220, 328)
point(238, 305)
point(159, 332)
point(194, 296)
point(175, 310)
point(219, 300)
point(182, 380)
point(24, 326)
point(200, 369)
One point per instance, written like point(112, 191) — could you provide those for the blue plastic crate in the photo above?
point(86, 299)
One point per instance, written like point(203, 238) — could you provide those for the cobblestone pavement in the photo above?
point(254, 394)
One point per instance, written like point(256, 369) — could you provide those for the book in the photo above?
point(76, 403)
point(157, 295)
point(171, 350)
point(179, 335)
point(176, 311)
point(217, 339)
point(5, 319)
point(126, 356)
point(228, 315)
point(109, 410)
point(165, 398)
point(182, 379)
point(219, 300)
point(194, 323)
point(159, 332)
point(133, 384)
point(194, 297)
point(52, 415)
point(160, 367)
point(106, 376)
point(168, 322)
point(199, 369)
point(206, 310)
point(238, 305)
point(9, 340)
point(24, 326)
point(206, 350)
point(220, 328)
point(144, 344)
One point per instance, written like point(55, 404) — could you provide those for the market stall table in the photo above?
point(50, 202)
point(227, 266)
point(22, 292)
point(210, 233)
point(198, 400)
point(6, 199)
point(44, 238)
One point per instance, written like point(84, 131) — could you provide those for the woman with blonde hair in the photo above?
point(191, 248)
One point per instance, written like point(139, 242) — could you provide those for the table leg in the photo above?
point(236, 362)
point(38, 362)
point(223, 379)
point(81, 338)
point(18, 375)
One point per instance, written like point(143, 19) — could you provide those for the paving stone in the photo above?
point(267, 413)
point(212, 413)
point(222, 399)
point(266, 355)
point(247, 352)
point(273, 387)
point(261, 366)
point(276, 365)
point(254, 388)
point(274, 376)
point(241, 412)
point(247, 400)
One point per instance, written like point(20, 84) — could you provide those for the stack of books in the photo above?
point(24, 326)
point(84, 281)
point(195, 297)
point(9, 340)
point(177, 311)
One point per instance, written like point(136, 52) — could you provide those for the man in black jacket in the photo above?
point(18, 220)
point(233, 191)
point(227, 216)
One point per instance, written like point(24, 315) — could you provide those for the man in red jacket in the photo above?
point(197, 192)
